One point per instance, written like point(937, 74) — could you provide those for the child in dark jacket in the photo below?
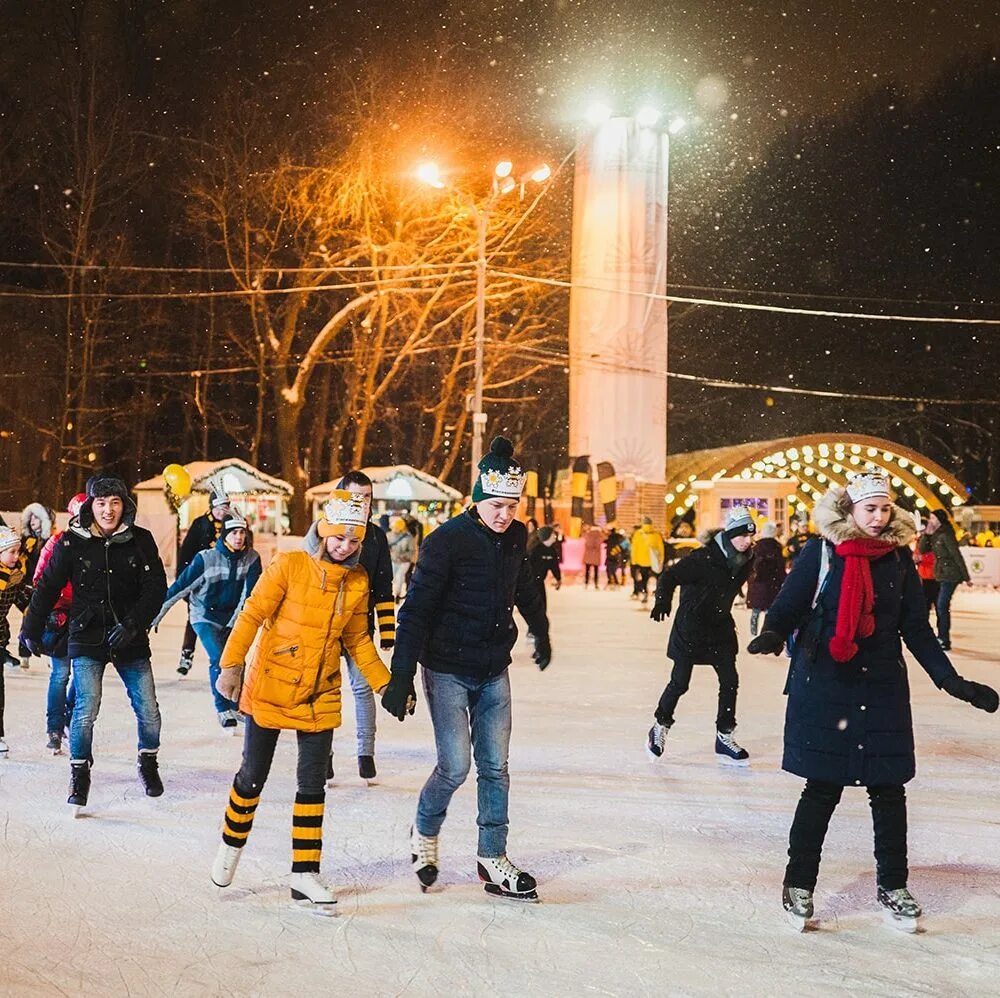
point(852, 594)
point(15, 590)
point(458, 622)
point(704, 630)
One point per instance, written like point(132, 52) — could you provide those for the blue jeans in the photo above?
point(364, 707)
point(59, 706)
point(214, 640)
point(468, 714)
point(943, 608)
point(88, 677)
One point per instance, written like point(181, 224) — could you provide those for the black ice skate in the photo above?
point(309, 893)
point(656, 740)
point(424, 857)
point(900, 908)
point(798, 905)
point(149, 774)
point(729, 751)
point(366, 768)
point(502, 878)
point(79, 786)
point(185, 663)
point(54, 744)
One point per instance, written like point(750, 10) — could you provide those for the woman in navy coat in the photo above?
point(852, 595)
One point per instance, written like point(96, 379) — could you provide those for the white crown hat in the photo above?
point(344, 513)
point(9, 538)
point(234, 522)
point(507, 484)
point(865, 486)
point(219, 497)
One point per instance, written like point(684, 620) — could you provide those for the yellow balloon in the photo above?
point(177, 477)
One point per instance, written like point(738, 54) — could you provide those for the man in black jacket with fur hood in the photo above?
point(704, 631)
point(458, 622)
point(118, 587)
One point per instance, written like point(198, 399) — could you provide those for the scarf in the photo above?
point(856, 606)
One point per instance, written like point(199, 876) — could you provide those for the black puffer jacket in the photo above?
point(201, 535)
point(704, 631)
point(115, 579)
point(458, 615)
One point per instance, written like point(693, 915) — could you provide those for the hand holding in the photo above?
point(767, 643)
point(399, 697)
point(122, 635)
point(660, 611)
point(386, 644)
point(543, 653)
point(34, 645)
point(229, 682)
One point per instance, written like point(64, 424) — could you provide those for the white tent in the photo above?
point(397, 486)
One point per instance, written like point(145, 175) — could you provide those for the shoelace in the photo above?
point(730, 742)
point(902, 900)
point(427, 850)
point(659, 735)
point(507, 868)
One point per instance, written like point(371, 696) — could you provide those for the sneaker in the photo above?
point(224, 867)
point(149, 774)
point(79, 784)
point(656, 740)
point(366, 767)
point(729, 750)
point(185, 663)
point(54, 744)
point(502, 878)
point(798, 905)
point(424, 857)
point(900, 908)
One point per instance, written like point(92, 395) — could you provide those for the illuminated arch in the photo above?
point(817, 460)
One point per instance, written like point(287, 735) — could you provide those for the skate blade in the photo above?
point(79, 810)
point(318, 909)
point(531, 897)
point(901, 923)
point(724, 760)
point(798, 922)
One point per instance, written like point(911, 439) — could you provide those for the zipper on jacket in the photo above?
point(291, 650)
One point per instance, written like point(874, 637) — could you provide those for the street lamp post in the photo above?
point(502, 183)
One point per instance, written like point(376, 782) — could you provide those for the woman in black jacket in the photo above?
point(950, 570)
point(852, 594)
point(766, 576)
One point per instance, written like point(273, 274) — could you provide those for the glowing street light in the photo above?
point(676, 126)
point(598, 113)
point(647, 117)
point(503, 183)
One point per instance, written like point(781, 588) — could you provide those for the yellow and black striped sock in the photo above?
point(239, 818)
point(307, 832)
point(386, 613)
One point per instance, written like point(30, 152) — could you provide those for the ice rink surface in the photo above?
point(656, 878)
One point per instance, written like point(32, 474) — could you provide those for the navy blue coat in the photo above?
point(458, 615)
point(849, 723)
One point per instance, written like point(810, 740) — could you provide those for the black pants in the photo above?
point(190, 638)
point(931, 589)
point(258, 752)
point(680, 679)
point(812, 817)
point(612, 566)
point(587, 569)
point(641, 574)
point(3, 695)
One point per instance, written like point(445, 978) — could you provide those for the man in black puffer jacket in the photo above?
point(457, 621)
point(118, 587)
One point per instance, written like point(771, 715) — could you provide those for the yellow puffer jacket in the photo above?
point(647, 538)
point(307, 607)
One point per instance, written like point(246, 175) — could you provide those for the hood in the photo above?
point(36, 509)
point(835, 527)
point(313, 544)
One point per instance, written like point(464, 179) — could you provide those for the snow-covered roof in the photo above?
point(397, 481)
point(239, 477)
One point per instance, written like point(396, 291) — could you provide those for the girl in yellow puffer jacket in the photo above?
point(308, 606)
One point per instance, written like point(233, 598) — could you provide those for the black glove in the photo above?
point(767, 642)
point(661, 610)
point(543, 653)
point(399, 697)
point(34, 645)
point(386, 643)
point(122, 635)
point(7, 659)
point(978, 694)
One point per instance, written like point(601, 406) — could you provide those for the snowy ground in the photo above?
point(656, 879)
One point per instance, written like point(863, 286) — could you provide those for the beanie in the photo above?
point(9, 538)
point(739, 521)
point(544, 533)
point(345, 514)
point(500, 476)
point(73, 507)
point(233, 522)
point(106, 486)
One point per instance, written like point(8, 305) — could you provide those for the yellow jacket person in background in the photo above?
point(306, 606)
point(647, 557)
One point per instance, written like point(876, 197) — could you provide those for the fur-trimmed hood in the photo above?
point(835, 527)
point(36, 509)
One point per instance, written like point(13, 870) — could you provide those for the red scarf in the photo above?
point(855, 609)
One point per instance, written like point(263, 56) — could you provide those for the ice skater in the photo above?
point(216, 584)
point(458, 621)
point(308, 607)
point(704, 631)
point(118, 584)
point(15, 590)
point(852, 594)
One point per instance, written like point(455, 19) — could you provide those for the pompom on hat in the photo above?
point(500, 476)
point(739, 521)
point(345, 514)
point(867, 486)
